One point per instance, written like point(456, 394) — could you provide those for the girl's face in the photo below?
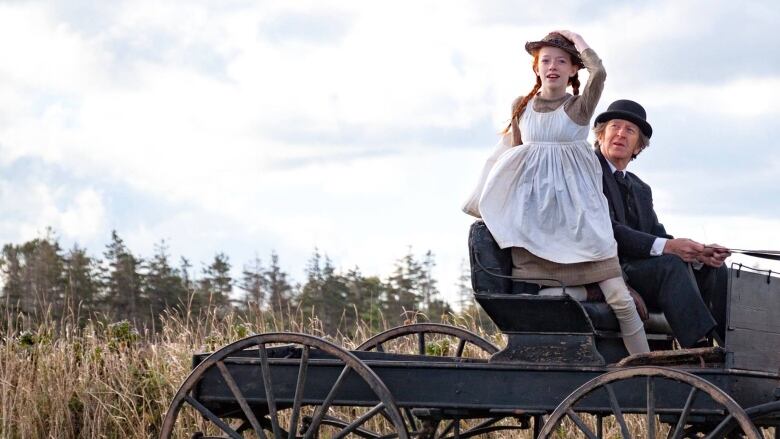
point(554, 67)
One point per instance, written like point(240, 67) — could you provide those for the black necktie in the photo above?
point(628, 199)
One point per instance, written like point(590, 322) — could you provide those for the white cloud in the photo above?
point(33, 206)
point(247, 131)
point(53, 57)
point(84, 220)
point(715, 99)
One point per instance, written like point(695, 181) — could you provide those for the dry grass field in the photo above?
point(98, 380)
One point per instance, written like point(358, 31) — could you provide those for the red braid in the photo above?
point(522, 103)
point(575, 84)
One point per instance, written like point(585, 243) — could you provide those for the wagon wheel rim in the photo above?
point(464, 336)
point(386, 407)
point(651, 373)
point(447, 428)
point(759, 413)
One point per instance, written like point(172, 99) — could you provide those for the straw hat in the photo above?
point(554, 39)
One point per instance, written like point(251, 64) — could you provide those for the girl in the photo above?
point(541, 191)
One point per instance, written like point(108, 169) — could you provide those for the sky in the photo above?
point(357, 128)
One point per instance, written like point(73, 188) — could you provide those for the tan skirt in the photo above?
point(529, 266)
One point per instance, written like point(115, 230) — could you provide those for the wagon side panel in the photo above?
point(753, 332)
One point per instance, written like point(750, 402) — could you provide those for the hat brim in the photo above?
point(533, 46)
point(645, 127)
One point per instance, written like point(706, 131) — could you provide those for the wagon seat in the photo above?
point(545, 315)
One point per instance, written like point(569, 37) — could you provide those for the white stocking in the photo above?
point(631, 327)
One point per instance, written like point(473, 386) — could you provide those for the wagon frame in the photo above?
point(284, 384)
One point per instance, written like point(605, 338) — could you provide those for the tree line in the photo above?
point(40, 278)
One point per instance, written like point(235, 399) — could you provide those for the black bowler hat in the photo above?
point(554, 39)
point(627, 110)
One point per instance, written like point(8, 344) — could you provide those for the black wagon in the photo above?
point(563, 372)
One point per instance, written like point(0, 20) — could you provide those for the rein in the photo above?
point(763, 254)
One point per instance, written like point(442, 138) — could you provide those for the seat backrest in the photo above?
point(485, 254)
point(489, 263)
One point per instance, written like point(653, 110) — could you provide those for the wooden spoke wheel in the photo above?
point(441, 340)
point(427, 339)
point(283, 386)
point(466, 426)
point(766, 417)
point(646, 384)
point(450, 427)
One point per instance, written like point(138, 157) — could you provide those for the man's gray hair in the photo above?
point(644, 141)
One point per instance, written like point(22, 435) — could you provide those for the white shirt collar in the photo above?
point(612, 167)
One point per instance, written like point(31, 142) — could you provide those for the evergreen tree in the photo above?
point(190, 289)
point(186, 278)
point(216, 284)
point(437, 309)
point(325, 293)
point(365, 294)
point(42, 275)
point(311, 297)
point(163, 286)
point(35, 278)
point(403, 295)
point(38, 275)
point(465, 293)
point(82, 281)
point(426, 281)
point(254, 284)
point(123, 284)
point(334, 297)
point(13, 280)
point(280, 291)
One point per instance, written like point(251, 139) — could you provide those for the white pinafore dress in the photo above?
point(546, 194)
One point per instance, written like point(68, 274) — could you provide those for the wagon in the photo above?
point(563, 372)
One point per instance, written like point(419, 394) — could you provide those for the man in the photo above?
point(657, 265)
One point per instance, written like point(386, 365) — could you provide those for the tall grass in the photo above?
point(78, 378)
point(93, 379)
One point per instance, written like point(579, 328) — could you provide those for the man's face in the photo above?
point(619, 141)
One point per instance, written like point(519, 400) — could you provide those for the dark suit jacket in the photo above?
point(632, 243)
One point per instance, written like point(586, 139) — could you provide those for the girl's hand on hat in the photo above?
point(579, 42)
